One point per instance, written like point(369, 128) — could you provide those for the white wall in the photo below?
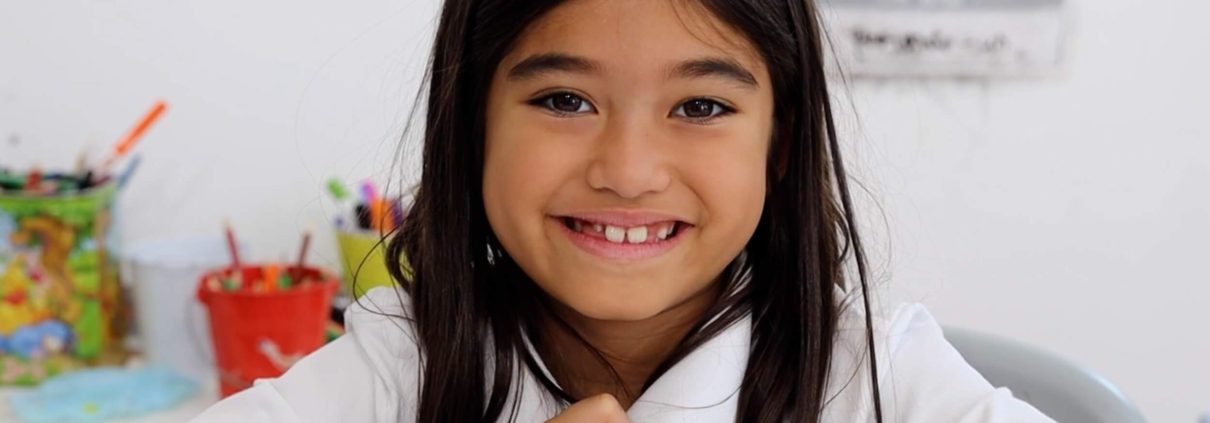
point(267, 100)
point(1070, 212)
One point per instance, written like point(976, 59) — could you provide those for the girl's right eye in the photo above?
point(564, 103)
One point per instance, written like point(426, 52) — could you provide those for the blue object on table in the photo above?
point(99, 394)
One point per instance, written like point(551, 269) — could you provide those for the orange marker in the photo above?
point(388, 216)
point(377, 214)
point(394, 212)
point(126, 142)
point(272, 274)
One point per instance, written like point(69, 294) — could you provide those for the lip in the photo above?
point(621, 251)
point(625, 218)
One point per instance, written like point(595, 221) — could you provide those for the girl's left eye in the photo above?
point(701, 109)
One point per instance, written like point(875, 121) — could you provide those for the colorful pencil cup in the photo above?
point(259, 333)
point(60, 304)
point(363, 257)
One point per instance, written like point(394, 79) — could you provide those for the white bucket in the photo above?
point(170, 323)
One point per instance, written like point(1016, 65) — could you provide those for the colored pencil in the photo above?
point(233, 248)
point(301, 264)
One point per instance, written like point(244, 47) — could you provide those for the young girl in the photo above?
point(630, 210)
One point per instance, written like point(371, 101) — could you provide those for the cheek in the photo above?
point(729, 180)
point(733, 199)
point(735, 194)
point(524, 167)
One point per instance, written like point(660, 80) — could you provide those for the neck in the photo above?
point(632, 349)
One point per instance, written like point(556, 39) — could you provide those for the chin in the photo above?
point(614, 300)
point(616, 311)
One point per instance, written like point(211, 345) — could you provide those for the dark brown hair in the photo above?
point(468, 296)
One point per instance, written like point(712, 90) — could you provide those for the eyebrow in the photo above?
point(715, 67)
point(539, 64)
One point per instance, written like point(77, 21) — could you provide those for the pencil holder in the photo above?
point(259, 332)
point(60, 300)
point(363, 258)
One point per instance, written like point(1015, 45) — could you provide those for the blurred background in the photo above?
point(1058, 196)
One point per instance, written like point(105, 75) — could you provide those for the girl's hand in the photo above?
point(603, 408)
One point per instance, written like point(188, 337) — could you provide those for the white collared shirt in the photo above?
point(371, 374)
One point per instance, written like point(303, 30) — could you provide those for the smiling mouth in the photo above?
point(654, 233)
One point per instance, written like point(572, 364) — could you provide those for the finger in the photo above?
point(603, 408)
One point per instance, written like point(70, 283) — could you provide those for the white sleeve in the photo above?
point(333, 384)
point(367, 375)
point(929, 381)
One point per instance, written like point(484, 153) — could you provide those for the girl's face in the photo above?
point(626, 148)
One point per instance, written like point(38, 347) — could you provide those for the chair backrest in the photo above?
point(1059, 388)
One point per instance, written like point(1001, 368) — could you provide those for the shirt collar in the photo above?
point(703, 384)
point(702, 387)
point(708, 379)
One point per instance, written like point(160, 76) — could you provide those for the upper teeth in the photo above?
point(662, 232)
point(614, 234)
point(637, 234)
point(633, 235)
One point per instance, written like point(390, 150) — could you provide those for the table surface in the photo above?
point(206, 396)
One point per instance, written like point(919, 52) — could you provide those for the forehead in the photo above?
point(635, 35)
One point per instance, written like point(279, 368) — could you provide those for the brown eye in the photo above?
point(701, 109)
point(566, 103)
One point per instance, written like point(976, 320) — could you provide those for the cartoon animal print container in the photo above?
point(60, 300)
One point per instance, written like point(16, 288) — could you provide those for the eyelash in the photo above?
point(546, 102)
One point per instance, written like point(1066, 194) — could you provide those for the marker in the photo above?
point(369, 197)
point(363, 217)
point(124, 178)
point(213, 284)
point(285, 282)
point(127, 141)
point(377, 215)
point(369, 192)
point(86, 181)
point(272, 276)
point(11, 180)
point(342, 197)
point(233, 283)
point(34, 180)
point(337, 189)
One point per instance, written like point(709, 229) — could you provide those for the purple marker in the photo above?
point(369, 193)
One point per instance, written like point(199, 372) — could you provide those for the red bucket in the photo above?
point(259, 334)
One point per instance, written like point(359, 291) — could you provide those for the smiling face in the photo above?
point(626, 146)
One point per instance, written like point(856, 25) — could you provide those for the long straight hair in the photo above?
point(474, 308)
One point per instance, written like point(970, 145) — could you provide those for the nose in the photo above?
point(630, 160)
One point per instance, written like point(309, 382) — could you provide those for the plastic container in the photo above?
point(170, 323)
point(259, 334)
point(363, 258)
point(60, 300)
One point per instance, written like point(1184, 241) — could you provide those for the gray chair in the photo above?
point(1063, 390)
